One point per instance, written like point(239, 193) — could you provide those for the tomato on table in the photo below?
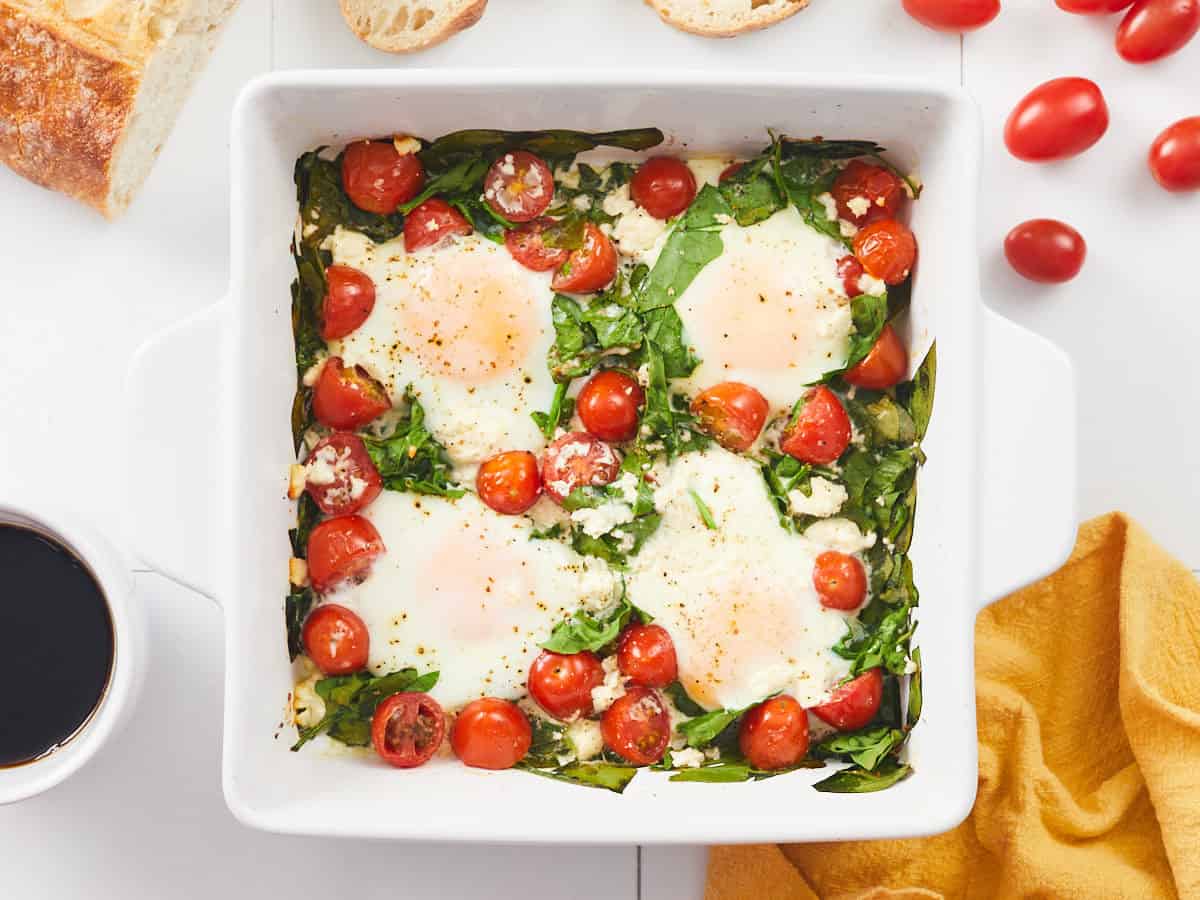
point(663, 186)
point(883, 366)
point(590, 268)
point(577, 459)
point(1175, 156)
point(646, 654)
point(733, 413)
point(519, 186)
point(340, 476)
point(378, 179)
point(527, 247)
point(774, 734)
point(953, 15)
point(887, 250)
point(336, 639)
point(850, 270)
point(341, 549)
point(561, 683)
point(840, 581)
point(407, 729)
point(345, 398)
point(349, 299)
point(821, 432)
point(637, 726)
point(491, 734)
point(1045, 250)
point(1092, 7)
point(866, 193)
point(854, 704)
point(1153, 29)
point(609, 405)
point(431, 223)
point(509, 482)
point(1056, 120)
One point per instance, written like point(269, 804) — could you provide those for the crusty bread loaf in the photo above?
point(725, 18)
point(404, 26)
point(89, 89)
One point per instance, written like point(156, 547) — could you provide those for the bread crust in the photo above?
point(684, 25)
point(465, 18)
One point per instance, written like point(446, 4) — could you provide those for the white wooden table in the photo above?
point(146, 818)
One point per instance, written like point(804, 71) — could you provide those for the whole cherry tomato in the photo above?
point(431, 223)
point(840, 581)
point(491, 734)
point(590, 268)
point(526, 246)
point(850, 270)
point(1175, 156)
point(519, 186)
point(609, 404)
point(336, 639)
point(646, 654)
point(1045, 250)
point(509, 482)
point(883, 366)
point(854, 704)
point(345, 398)
point(349, 299)
point(407, 729)
point(953, 15)
point(561, 683)
point(577, 460)
point(341, 549)
point(1056, 120)
point(821, 432)
point(1092, 7)
point(866, 193)
point(378, 179)
point(774, 734)
point(340, 476)
point(637, 726)
point(886, 249)
point(733, 413)
point(1153, 29)
point(663, 186)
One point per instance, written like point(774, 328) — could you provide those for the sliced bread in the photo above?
point(405, 26)
point(725, 18)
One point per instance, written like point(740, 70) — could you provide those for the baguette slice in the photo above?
point(405, 26)
point(725, 18)
point(89, 89)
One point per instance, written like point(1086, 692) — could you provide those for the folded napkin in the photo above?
point(1088, 689)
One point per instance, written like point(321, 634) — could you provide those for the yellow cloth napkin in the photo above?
point(1089, 751)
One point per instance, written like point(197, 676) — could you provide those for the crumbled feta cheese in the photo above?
point(827, 201)
point(848, 229)
point(869, 284)
point(602, 519)
point(604, 695)
point(859, 205)
point(827, 498)
point(313, 372)
point(687, 758)
point(839, 534)
point(636, 231)
point(723, 218)
point(327, 465)
point(307, 706)
point(507, 166)
point(582, 203)
point(585, 738)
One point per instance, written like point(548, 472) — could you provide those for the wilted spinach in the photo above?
point(350, 702)
point(411, 459)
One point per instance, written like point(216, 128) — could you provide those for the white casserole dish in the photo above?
point(996, 509)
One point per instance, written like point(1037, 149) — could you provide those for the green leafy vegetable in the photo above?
point(915, 692)
point(880, 486)
point(751, 193)
point(585, 335)
point(609, 776)
point(703, 730)
point(682, 701)
point(595, 186)
point(561, 409)
point(557, 147)
point(917, 395)
point(324, 204)
point(867, 747)
point(879, 638)
point(296, 608)
point(618, 545)
point(881, 419)
point(307, 515)
point(818, 148)
point(856, 780)
point(350, 702)
point(584, 631)
point(869, 315)
point(411, 459)
point(716, 773)
point(705, 513)
point(693, 243)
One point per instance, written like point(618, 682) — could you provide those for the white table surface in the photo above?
point(146, 818)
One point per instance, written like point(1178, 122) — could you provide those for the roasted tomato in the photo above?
point(886, 249)
point(509, 482)
point(341, 549)
point(378, 179)
point(733, 413)
point(349, 299)
point(590, 268)
point(1153, 29)
point(609, 404)
point(866, 192)
point(1092, 7)
point(646, 654)
point(491, 734)
point(519, 186)
point(663, 186)
point(431, 223)
point(1175, 156)
point(821, 431)
point(729, 171)
point(637, 726)
point(527, 247)
point(850, 270)
point(1045, 250)
point(577, 460)
point(840, 581)
point(854, 704)
point(953, 15)
point(340, 476)
point(561, 683)
point(407, 729)
point(344, 398)
point(883, 366)
point(774, 734)
point(336, 639)
point(1057, 119)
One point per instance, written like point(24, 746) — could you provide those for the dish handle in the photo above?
point(173, 396)
point(1029, 457)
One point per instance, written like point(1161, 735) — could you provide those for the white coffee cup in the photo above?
point(112, 573)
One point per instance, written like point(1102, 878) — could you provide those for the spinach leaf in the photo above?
point(879, 638)
point(703, 730)
point(350, 702)
point(561, 409)
point(881, 488)
point(462, 179)
point(706, 515)
point(308, 514)
point(556, 147)
point(664, 329)
point(595, 187)
point(324, 204)
point(915, 692)
point(716, 773)
point(302, 415)
point(867, 747)
point(881, 419)
point(618, 545)
point(682, 701)
point(856, 780)
point(308, 297)
point(917, 395)
point(296, 608)
point(751, 193)
point(782, 473)
point(818, 148)
point(411, 459)
point(667, 424)
point(693, 243)
point(606, 775)
point(547, 534)
point(548, 744)
point(585, 335)
point(869, 315)
point(584, 631)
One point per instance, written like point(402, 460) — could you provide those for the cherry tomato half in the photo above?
point(1175, 156)
point(431, 223)
point(886, 249)
point(822, 431)
point(840, 581)
point(561, 683)
point(340, 476)
point(1045, 250)
point(729, 171)
point(491, 734)
point(866, 193)
point(519, 186)
point(953, 15)
point(349, 299)
point(1153, 29)
point(883, 366)
point(1056, 120)
point(577, 460)
point(509, 482)
point(407, 729)
point(590, 268)
point(733, 413)
point(646, 654)
point(850, 270)
point(336, 639)
point(525, 244)
point(609, 405)
point(663, 186)
point(341, 549)
point(854, 704)
point(637, 726)
point(378, 179)
point(774, 734)
point(1092, 7)
point(345, 398)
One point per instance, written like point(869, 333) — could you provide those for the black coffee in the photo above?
point(56, 644)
